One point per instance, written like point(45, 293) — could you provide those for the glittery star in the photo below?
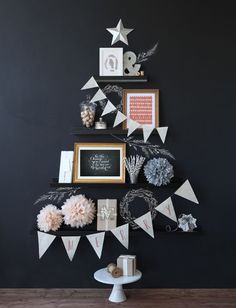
point(119, 33)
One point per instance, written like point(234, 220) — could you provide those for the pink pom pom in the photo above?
point(49, 218)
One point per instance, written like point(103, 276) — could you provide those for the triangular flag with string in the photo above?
point(98, 96)
point(132, 126)
point(44, 241)
point(70, 243)
point(162, 131)
point(147, 130)
point(167, 209)
point(97, 240)
point(186, 191)
point(122, 234)
point(108, 108)
point(120, 117)
point(145, 222)
point(91, 83)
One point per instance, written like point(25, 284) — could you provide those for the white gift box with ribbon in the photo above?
point(128, 264)
point(106, 214)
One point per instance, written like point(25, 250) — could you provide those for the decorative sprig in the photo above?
point(58, 195)
point(144, 56)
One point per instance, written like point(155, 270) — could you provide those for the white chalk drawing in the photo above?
point(144, 56)
point(58, 195)
point(144, 194)
point(146, 148)
point(100, 162)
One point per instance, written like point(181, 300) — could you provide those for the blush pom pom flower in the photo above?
point(158, 171)
point(78, 211)
point(49, 218)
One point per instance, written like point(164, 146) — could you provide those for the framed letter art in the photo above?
point(142, 106)
point(99, 163)
point(111, 61)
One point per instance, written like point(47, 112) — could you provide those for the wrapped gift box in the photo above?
point(128, 264)
point(106, 214)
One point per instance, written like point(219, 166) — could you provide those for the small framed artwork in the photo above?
point(142, 106)
point(111, 61)
point(66, 163)
point(99, 163)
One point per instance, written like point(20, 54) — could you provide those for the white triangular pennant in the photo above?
point(167, 209)
point(145, 222)
point(186, 191)
point(132, 126)
point(147, 130)
point(122, 234)
point(91, 83)
point(120, 117)
point(98, 96)
point(162, 131)
point(97, 240)
point(44, 241)
point(70, 243)
point(108, 108)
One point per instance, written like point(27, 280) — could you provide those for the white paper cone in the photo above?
point(122, 234)
point(98, 96)
point(108, 108)
point(167, 209)
point(97, 240)
point(162, 131)
point(145, 222)
point(132, 126)
point(44, 241)
point(91, 83)
point(70, 243)
point(120, 117)
point(186, 191)
point(147, 130)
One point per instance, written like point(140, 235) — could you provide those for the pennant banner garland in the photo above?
point(147, 130)
point(122, 234)
point(97, 240)
point(132, 126)
point(91, 83)
point(44, 241)
point(120, 117)
point(162, 131)
point(145, 222)
point(187, 192)
point(108, 108)
point(70, 243)
point(98, 96)
point(167, 209)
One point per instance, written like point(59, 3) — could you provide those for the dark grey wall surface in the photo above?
point(48, 50)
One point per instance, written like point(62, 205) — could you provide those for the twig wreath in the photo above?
point(144, 194)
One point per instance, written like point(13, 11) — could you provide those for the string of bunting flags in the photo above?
point(122, 232)
point(120, 117)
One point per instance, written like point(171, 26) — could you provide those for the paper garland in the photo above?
point(91, 83)
point(70, 244)
point(98, 96)
point(162, 131)
point(132, 126)
point(147, 130)
point(122, 232)
point(108, 108)
point(120, 117)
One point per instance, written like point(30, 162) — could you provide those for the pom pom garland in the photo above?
point(49, 218)
point(158, 171)
point(78, 211)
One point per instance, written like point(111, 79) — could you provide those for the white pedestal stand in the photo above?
point(117, 295)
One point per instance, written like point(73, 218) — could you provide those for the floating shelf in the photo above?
point(120, 79)
point(173, 184)
point(91, 131)
point(131, 232)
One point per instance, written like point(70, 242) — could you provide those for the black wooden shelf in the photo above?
point(111, 131)
point(108, 233)
point(173, 184)
point(121, 79)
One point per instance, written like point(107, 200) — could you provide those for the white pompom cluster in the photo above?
point(78, 211)
point(49, 218)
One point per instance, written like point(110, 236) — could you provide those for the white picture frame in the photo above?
point(66, 167)
point(110, 61)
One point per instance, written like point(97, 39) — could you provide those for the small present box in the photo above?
point(128, 264)
point(106, 214)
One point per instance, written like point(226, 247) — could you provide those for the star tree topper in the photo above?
point(119, 33)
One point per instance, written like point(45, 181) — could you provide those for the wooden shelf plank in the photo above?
point(121, 79)
point(109, 131)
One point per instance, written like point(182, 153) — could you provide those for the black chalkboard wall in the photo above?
point(48, 50)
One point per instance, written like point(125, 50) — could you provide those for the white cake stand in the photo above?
point(117, 294)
